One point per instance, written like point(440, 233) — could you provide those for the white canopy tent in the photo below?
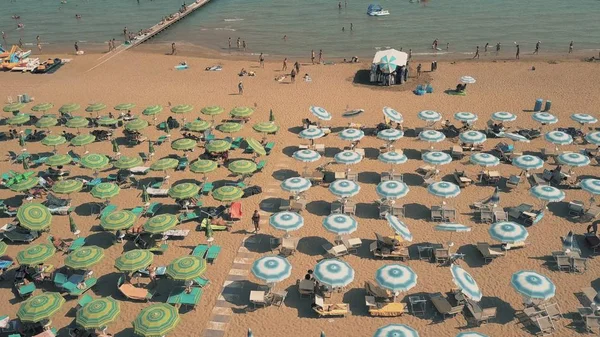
point(385, 65)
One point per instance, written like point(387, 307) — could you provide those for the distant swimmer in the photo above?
point(125, 31)
point(340, 5)
point(229, 42)
point(285, 38)
point(238, 42)
point(570, 46)
point(434, 44)
point(77, 16)
point(351, 26)
point(537, 48)
point(343, 29)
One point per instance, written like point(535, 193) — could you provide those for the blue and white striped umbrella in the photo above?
point(590, 185)
point(593, 137)
point(465, 282)
point(547, 193)
point(429, 116)
point(348, 157)
point(340, 224)
point(508, 232)
point(311, 133)
point(452, 227)
point(334, 273)
point(467, 79)
point(444, 189)
point(484, 159)
point(533, 285)
point(390, 134)
point(432, 136)
point(306, 156)
point(344, 188)
point(399, 227)
point(272, 268)
point(396, 330)
point(584, 118)
point(503, 116)
point(544, 118)
point(388, 64)
point(472, 137)
point(351, 135)
point(286, 221)
point(528, 162)
point(320, 113)
point(393, 115)
point(515, 137)
point(296, 185)
point(392, 189)
point(573, 159)
point(437, 158)
point(396, 277)
point(467, 117)
point(392, 158)
point(558, 137)
point(471, 334)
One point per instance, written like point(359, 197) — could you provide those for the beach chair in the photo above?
point(259, 298)
point(83, 301)
point(161, 139)
point(261, 164)
point(207, 187)
point(578, 265)
point(462, 179)
point(332, 251)
point(213, 253)
point(457, 152)
point(269, 147)
point(576, 208)
point(157, 192)
point(152, 209)
point(545, 324)
point(201, 282)
point(133, 293)
point(59, 279)
point(138, 211)
point(306, 288)
point(19, 235)
point(106, 211)
point(326, 310)
point(76, 290)
point(393, 309)
point(183, 164)
point(76, 158)
point(189, 216)
point(592, 323)
point(553, 311)
point(488, 253)
point(480, 315)
point(513, 181)
point(144, 157)
point(236, 143)
point(24, 290)
point(443, 306)
point(278, 297)
point(486, 215)
point(200, 251)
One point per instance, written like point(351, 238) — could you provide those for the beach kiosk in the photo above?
point(389, 67)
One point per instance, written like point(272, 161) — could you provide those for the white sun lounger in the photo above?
point(139, 170)
point(157, 192)
point(177, 232)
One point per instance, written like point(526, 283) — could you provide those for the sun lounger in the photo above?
point(377, 292)
point(592, 323)
point(183, 164)
point(488, 252)
point(261, 164)
point(189, 216)
point(443, 306)
point(177, 233)
point(335, 251)
point(207, 187)
point(83, 301)
point(213, 253)
point(139, 170)
point(235, 144)
point(25, 290)
point(388, 310)
point(545, 324)
point(323, 309)
point(161, 139)
point(259, 298)
point(200, 251)
point(76, 290)
point(593, 241)
point(144, 156)
point(578, 265)
point(131, 292)
point(138, 211)
point(201, 282)
point(400, 253)
point(157, 192)
point(152, 209)
point(461, 179)
point(269, 147)
point(18, 235)
point(480, 315)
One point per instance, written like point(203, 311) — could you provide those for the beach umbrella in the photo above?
point(503, 116)
point(106, 121)
point(53, 140)
point(105, 190)
point(271, 269)
point(212, 111)
point(134, 260)
point(306, 156)
point(396, 330)
point(98, 313)
point(547, 193)
point(573, 159)
point(484, 159)
point(348, 157)
point(437, 158)
point(73, 226)
point(126, 162)
point(124, 106)
point(431, 136)
point(388, 64)
point(351, 135)
point(429, 116)
point(452, 227)
point(152, 110)
point(36, 254)
point(544, 118)
point(472, 137)
point(78, 122)
point(265, 127)
point(393, 115)
point(25, 184)
point(256, 146)
point(85, 257)
point(14, 107)
point(531, 284)
point(399, 227)
point(392, 158)
point(203, 166)
point(396, 277)
point(3, 248)
point(67, 186)
point(58, 160)
point(593, 137)
point(528, 162)
point(515, 137)
point(467, 80)
point(69, 108)
point(184, 191)
point(558, 138)
point(186, 268)
point(229, 127)
point(390, 135)
point(340, 224)
point(218, 145)
point(590, 185)
point(241, 111)
point(160, 223)
point(333, 273)
point(242, 167)
point(320, 113)
point(444, 189)
point(467, 117)
point(40, 307)
point(182, 108)
point(392, 189)
point(18, 119)
point(184, 144)
point(46, 122)
point(95, 107)
point(584, 118)
point(465, 282)
point(227, 193)
point(286, 221)
point(94, 161)
point(198, 125)
point(296, 185)
point(344, 188)
point(164, 164)
point(471, 334)
point(312, 133)
point(34, 216)
point(508, 232)
point(156, 320)
point(136, 125)
point(42, 107)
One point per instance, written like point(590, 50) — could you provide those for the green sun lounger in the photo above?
point(269, 147)
point(192, 298)
point(261, 164)
point(107, 210)
point(138, 211)
point(157, 184)
point(207, 187)
point(59, 279)
point(75, 156)
point(213, 253)
point(183, 164)
point(73, 290)
point(200, 251)
point(202, 282)
point(204, 222)
point(235, 144)
point(152, 209)
point(189, 216)
point(83, 301)
point(161, 140)
point(25, 290)
point(160, 248)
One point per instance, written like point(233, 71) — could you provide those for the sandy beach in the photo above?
point(149, 78)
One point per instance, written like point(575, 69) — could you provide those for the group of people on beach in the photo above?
point(239, 43)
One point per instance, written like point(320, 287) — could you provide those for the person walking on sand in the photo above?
point(486, 47)
point(312, 55)
point(297, 66)
point(284, 67)
point(320, 56)
point(476, 53)
point(261, 60)
point(173, 49)
point(518, 52)
point(240, 88)
point(419, 70)
point(571, 47)
point(256, 221)
point(110, 46)
point(293, 76)
point(537, 48)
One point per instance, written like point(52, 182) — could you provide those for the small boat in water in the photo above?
point(377, 10)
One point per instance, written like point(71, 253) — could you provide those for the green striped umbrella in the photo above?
point(184, 144)
point(134, 260)
point(85, 257)
point(98, 313)
point(68, 108)
point(34, 216)
point(83, 140)
point(186, 268)
point(124, 106)
point(94, 161)
point(203, 166)
point(164, 164)
point(67, 186)
point(54, 140)
point(18, 119)
point(152, 110)
point(36, 254)
point(256, 146)
point(25, 184)
point(42, 107)
point(14, 107)
point(58, 160)
point(198, 125)
point(136, 125)
point(161, 223)
point(105, 121)
point(184, 191)
point(218, 145)
point(40, 307)
point(3, 247)
point(241, 111)
point(78, 122)
point(156, 320)
point(122, 219)
point(46, 122)
point(242, 166)
point(265, 127)
point(212, 110)
point(95, 107)
point(125, 162)
point(182, 108)
point(230, 127)
point(227, 193)
point(105, 190)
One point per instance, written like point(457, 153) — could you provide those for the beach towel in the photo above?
point(214, 68)
point(235, 211)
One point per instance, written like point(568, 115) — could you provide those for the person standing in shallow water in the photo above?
point(312, 56)
point(571, 47)
point(320, 55)
point(476, 53)
point(518, 52)
point(173, 49)
point(284, 67)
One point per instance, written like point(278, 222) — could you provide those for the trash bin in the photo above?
point(548, 105)
point(538, 105)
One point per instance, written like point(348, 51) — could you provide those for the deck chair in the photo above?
point(144, 156)
point(393, 309)
point(563, 262)
point(553, 311)
point(593, 242)
point(200, 251)
point(377, 292)
point(332, 251)
point(488, 252)
point(579, 265)
point(25, 290)
point(183, 164)
point(189, 216)
point(59, 279)
point(259, 298)
point(235, 144)
point(83, 301)
point(201, 282)
point(457, 152)
point(213, 253)
point(480, 315)
point(151, 210)
point(161, 140)
point(106, 210)
point(513, 181)
point(18, 236)
point(486, 215)
point(545, 324)
point(73, 289)
point(269, 147)
point(76, 158)
point(261, 164)
point(138, 211)
point(157, 192)
point(207, 187)
point(592, 323)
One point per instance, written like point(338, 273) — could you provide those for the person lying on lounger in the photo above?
point(60, 244)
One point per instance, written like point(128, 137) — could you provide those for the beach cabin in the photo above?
point(389, 67)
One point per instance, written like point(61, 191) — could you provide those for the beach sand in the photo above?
point(148, 79)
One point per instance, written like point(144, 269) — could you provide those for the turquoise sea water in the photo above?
point(317, 24)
